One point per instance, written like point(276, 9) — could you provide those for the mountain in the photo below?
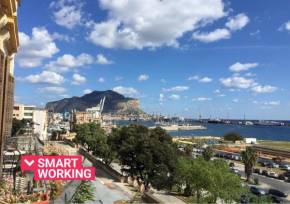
point(114, 103)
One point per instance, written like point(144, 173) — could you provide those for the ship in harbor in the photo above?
point(269, 123)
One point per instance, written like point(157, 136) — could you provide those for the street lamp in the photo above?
point(29, 175)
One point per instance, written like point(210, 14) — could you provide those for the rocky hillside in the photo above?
point(114, 103)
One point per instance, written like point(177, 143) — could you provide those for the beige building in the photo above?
point(9, 44)
point(82, 117)
point(40, 120)
point(21, 111)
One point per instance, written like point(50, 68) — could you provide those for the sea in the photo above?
point(275, 133)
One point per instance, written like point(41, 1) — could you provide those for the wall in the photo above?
point(40, 117)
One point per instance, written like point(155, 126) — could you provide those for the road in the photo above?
point(267, 182)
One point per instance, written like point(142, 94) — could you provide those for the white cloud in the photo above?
point(237, 83)
point(67, 61)
point(236, 100)
point(101, 80)
point(177, 88)
point(217, 91)
point(201, 99)
point(174, 97)
point(36, 48)
point(242, 67)
point(87, 91)
point(78, 80)
point(221, 95)
point(163, 81)
point(125, 90)
point(273, 103)
point(118, 78)
point(265, 89)
point(285, 26)
point(255, 102)
point(101, 59)
point(193, 78)
point(45, 77)
point(132, 25)
point(250, 74)
point(61, 37)
point(67, 13)
point(143, 77)
point(161, 97)
point(64, 96)
point(238, 22)
point(264, 108)
point(257, 32)
point(54, 90)
point(205, 80)
point(216, 35)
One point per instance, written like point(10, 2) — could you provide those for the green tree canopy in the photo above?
point(188, 150)
point(249, 158)
point(145, 153)
point(208, 153)
point(210, 180)
point(233, 136)
point(17, 125)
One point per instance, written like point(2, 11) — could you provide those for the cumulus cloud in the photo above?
point(236, 100)
point(265, 89)
point(125, 90)
point(132, 25)
point(67, 13)
point(101, 80)
point(87, 91)
point(201, 99)
point(143, 77)
point(285, 26)
point(62, 37)
point(174, 97)
point(177, 88)
point(237, 22)
point(67, 61)
point(46, 77)
point(78, 80)
point(101, 59)
point(237, 67)
point(118, 78)
point(161, 97)
point(216, 35)
point(193, 78)
point(221, 95)
point(36, 48)
point(255, 102)
point(237, 83)
point(205, 80)
point(216, 91)
point(273, 103)
point(250, 74)
point(52, 89)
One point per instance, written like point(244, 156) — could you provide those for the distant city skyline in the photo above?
point(176, 57)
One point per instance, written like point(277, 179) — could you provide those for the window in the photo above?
point(16, 107)
point(28, 114)
point(29, 108)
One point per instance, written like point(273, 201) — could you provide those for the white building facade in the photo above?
point(40, 120)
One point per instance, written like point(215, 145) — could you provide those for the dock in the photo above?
point(181, 128)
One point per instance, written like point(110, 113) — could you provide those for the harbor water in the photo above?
point(276, 133)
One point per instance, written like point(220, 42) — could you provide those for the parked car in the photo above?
point(264, 164)
point(278, 193)
point(265, 173)
point(281, 177)
point(272, 174)
point(273, 165)
point(257, 191)
point(287, 174)
point(276, 199)
point(257, 171)
point(286, 167)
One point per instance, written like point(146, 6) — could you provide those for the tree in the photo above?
point(209, 180)
point(17, 125)
point(84, 192)
point(233, 136)
point(208, 153)
point(91, 136)
point(249, 159)
point(148, 154)
point(188, 150)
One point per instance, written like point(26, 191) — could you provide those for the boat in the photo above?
point(269, 123)
point(216, 121)
point(249, 123)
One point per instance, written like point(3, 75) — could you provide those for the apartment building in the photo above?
point(21, 111)
point(9, 44)
point(40, 123)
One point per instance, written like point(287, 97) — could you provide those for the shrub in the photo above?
point(256, 181)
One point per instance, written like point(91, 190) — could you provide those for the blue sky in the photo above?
point(175, 56)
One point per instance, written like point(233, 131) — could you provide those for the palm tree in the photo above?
point(208, 153)
point(188, 149)
point(249, 159)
